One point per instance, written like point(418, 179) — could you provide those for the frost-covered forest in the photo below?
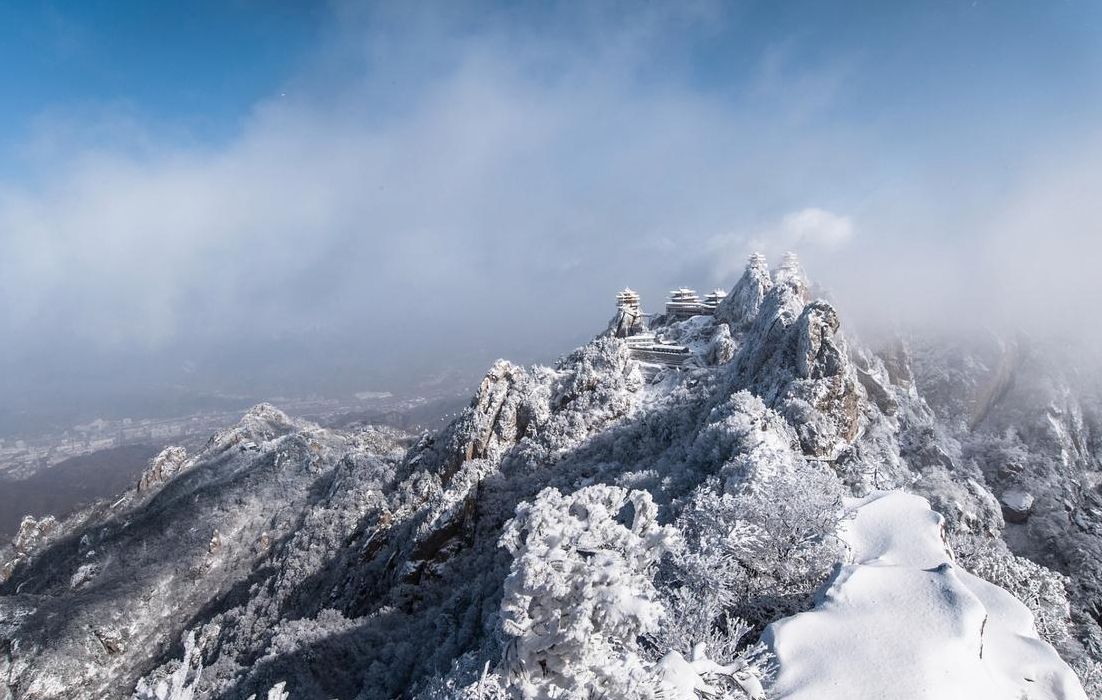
point(794, 513)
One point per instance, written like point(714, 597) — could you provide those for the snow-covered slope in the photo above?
point(113, 590)
point(900, 620)
point(489, 559)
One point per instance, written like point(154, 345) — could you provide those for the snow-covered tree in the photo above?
point(701, 678)
point(580, 593)
point(784, 531)
point(761, 552)
point(184, 681)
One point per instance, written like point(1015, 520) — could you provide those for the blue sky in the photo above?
point(944, 71)
point(227, 187)
point(196, 66)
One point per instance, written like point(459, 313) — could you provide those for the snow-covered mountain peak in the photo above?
point(625, 523)
point(741, 305)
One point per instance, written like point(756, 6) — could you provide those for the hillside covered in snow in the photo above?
point(737, 498)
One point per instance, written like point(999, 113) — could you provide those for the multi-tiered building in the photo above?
point(684, 303)
point(714, 298)
point(628, 299)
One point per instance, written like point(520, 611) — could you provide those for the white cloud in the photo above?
point(497, 202)
point(815, 227)
point(540, 167)
point(809, 231)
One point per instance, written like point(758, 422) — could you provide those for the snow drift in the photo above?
point(901, 621)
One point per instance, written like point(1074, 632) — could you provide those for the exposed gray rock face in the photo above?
point(627, 321)
point(32, 536)
point(896, 357)
point(721, 347)
point(162, 468)
point(874, 375)
point(962, 379)
point(497, 418)
point(34, 533)
point(1017, 506)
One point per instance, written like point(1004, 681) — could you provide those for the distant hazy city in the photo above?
point(54, 472)
point(22, 457)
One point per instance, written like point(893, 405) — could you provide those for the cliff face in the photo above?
point(163, 467)
point(367, 563)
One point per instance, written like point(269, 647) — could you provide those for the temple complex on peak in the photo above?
point(790, 269)
point(638, 329)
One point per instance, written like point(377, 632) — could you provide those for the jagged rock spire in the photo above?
point(741, 306)
point(786, 298)
point(628, 320)
point(793, 356)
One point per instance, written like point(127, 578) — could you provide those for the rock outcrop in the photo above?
point(1017, 506)
point(795, 359)
point(739, 308)
point(628, 321)
point(33, 535)
point(163, 467)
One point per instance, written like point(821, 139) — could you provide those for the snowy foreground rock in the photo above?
point(901, 621)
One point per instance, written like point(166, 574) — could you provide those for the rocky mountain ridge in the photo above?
point(367, 563)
